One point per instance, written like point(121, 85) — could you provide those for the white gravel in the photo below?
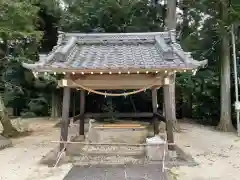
point(21, 162)
point(218, 154)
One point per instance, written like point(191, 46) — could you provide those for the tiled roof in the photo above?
point(148, 51)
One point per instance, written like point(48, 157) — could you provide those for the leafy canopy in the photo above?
point(18, 19)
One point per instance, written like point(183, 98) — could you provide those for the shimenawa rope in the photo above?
point(113, 94)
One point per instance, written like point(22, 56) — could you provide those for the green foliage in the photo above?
point(39, 106)
point(30, 26)
point(112, 16)
point(49, 16)
point(22, 24)
point(18, 20)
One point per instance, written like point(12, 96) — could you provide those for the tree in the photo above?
point(225, 123)
point(198, 96)
point(50, 15)
point(112, 16)
point(200, 33)
point(229, 12)
point(18, 32)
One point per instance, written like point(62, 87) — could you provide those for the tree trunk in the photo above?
point(171, 24)
point(8, 129)
point(225, 123)
point(185, 31)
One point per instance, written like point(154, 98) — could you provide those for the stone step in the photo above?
point(105, 160)
point(107, 151)
point(112, 149)
point(134, 154)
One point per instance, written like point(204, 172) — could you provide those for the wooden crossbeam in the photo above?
point(120, 126)
point(118, 115)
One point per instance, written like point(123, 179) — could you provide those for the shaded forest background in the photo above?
point(200, 30)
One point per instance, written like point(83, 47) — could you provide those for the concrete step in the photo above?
point(114, 150)
point(99, 150)
point(105, 160)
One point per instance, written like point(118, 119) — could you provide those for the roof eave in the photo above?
point(197, 64)
point(38, 68)
point(164, 33)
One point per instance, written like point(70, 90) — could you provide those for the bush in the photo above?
point(39, 106)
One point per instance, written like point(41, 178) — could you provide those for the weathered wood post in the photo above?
point(73, 103)
point(155, 106)
point(169, 89)
point(82, 111)
point(54, 106)
point(65, 116)
point(169, 108)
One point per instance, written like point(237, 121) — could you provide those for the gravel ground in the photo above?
point(218, 154)
point(21, 162)
point(4, 142)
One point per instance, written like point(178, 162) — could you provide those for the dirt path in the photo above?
point(218, 154)
point(21, 162)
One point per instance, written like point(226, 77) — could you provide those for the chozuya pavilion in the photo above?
point(127, 61)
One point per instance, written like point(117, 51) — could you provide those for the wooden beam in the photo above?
point(120, 126)
point(155, 106)
point(169, 90)
point(115, 82)
point(65, 116)
point(82, 110)
point(107, 76)
point(170, 113)
point(118, 115)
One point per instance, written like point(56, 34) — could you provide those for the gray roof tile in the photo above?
point(115, 51)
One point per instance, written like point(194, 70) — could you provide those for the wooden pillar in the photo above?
point(170, 112)
point(169, 90)
point(65, 116)
point(54, 106)
point(74, 103)
point(82, 111)
point(155, 107)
